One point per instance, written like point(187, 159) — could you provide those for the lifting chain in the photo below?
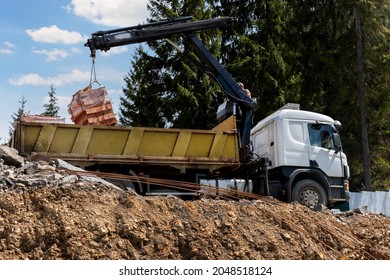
point(93, 74)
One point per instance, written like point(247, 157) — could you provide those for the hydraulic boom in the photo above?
point(203, 59)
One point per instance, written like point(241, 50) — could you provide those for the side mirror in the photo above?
point(337, 125)
point(336, 141)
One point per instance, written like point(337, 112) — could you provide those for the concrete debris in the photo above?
point(30, 168)
point(320, 207)
point(362, 210)
point(336, 211)
point(92, 179)
point(10, 156)
point(19, 172)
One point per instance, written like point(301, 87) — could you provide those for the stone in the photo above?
point(319, 207)
point(30, 168)
point(11, 156)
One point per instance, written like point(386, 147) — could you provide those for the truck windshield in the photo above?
point(321, 135)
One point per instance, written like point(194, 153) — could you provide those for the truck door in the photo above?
point(294, 146)
point(323, 149)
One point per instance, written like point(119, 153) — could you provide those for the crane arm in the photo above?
point(204, 59)
point(104, 40)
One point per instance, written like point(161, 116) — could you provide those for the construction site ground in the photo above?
point(50, 215)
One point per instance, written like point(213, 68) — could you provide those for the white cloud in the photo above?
point(115, 91)
point(6, 51)
point(9, 45)
point(53, 34)
point(76, 50)
point(116, 50)
point(67, 8)
point(28, 79)
point(53, 54)
point(62, 101)
point(111, 13)
point(35, 79)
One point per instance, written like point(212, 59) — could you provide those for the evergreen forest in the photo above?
point(331, 57)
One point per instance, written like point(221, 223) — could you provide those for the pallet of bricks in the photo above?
point(92, 107)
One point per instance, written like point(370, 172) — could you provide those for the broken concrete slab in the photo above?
point(61, 164)
point(11, 156)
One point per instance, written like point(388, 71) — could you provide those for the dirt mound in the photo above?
point(51, 215)
point(83, 223)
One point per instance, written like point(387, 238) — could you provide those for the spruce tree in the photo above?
point(324, 34)
point(257, 52)
point(17, 114)
point(375, 25)
point(283, 51)
point(51, 108)
point(142, 102)
point(172, 90)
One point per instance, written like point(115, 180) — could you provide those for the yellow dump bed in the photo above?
point(87, 145)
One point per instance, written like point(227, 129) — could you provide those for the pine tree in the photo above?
point(51, 108)
point(17, 114)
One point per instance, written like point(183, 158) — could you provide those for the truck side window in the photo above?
point(321, 135)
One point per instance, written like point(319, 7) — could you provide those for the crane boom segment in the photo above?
point(203, 58)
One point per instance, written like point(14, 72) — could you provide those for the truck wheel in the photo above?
point(309, 192)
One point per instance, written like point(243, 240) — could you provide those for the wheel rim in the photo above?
point(309, 197)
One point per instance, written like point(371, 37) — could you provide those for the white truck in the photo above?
point(292, 155)
point(305, 159)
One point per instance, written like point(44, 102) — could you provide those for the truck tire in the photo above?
point(309, 192)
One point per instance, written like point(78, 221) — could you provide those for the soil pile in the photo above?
point(48, 214)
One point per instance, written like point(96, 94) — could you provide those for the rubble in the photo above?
point(10, 156)
point(48, 214)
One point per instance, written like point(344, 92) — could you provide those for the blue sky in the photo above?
point(42, 44)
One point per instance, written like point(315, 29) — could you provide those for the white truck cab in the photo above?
point(305, 159)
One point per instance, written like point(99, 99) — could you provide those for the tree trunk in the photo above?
point(362, 102)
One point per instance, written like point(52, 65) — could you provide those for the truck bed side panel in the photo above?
point(87, 145)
